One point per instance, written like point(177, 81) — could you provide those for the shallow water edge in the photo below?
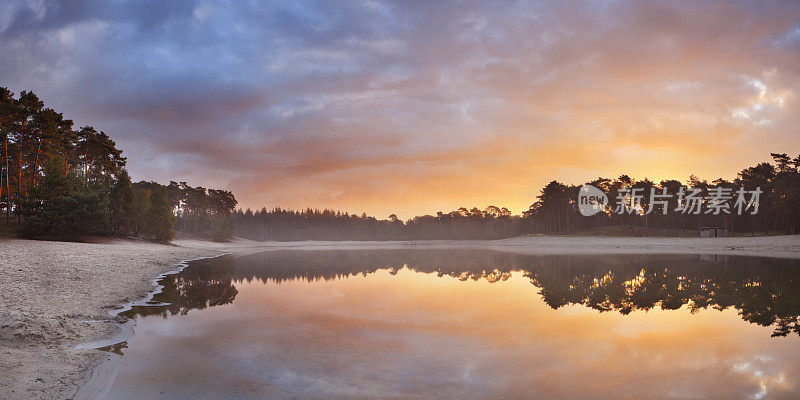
point(101, 376)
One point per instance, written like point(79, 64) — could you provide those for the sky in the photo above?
point(412, 107)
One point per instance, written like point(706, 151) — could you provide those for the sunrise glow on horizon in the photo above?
point(416, 107)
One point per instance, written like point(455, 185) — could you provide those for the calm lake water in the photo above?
point(468, 324)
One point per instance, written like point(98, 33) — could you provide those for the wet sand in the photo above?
point(55, 296)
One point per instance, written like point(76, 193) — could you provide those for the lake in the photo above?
point(467, 324)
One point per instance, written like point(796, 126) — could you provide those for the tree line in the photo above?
point(556, 211)
point(313, 224)
point(62, 182)
point(198, 211)
point(556, 208)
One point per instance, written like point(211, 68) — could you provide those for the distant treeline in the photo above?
point(282, 225)
point(555, 211)
point(58, 182)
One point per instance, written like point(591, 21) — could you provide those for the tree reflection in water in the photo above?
point(765, 291)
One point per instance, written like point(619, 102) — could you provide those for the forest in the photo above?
point(778, 206)
point(285, 225)
point(58, 181)
point(62, 182)
point(555, 211)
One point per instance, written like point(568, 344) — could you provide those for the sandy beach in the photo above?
point(55, 296)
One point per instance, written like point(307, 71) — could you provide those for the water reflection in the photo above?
point(204, 284)
point(457, 324)
point(764, 291)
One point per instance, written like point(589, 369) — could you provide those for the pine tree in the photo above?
point(160, 217)
point(61, 207)
point(122, 205)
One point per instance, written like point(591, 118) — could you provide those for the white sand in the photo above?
point(47, 290)
point(55, 295)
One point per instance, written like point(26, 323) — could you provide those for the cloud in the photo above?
point(411, 107)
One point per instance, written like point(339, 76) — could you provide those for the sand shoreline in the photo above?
point(55, 295)
point(102, 374)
